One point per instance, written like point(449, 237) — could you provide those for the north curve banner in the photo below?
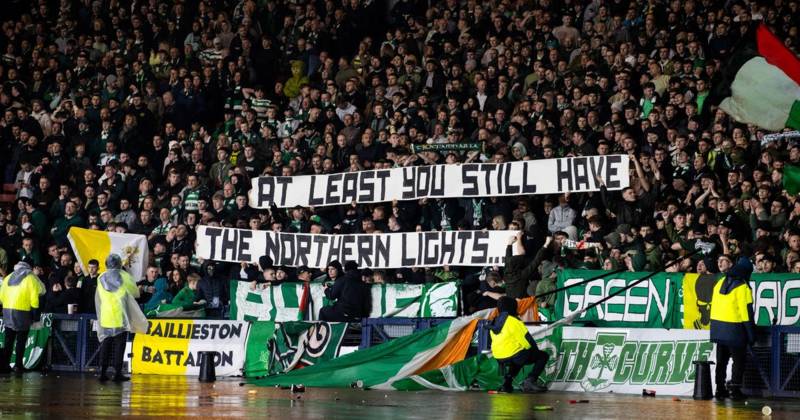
point(543, 176)
point(281, 303)
point(626, 360)
point(173, 347)
point(584, 359)
point(672, 300)
point(376, 251)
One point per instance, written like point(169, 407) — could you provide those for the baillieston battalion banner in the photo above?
point(375, 251)
point(544, 176)
point(173, 347)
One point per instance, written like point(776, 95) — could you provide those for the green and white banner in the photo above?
point(36, 343)
point(627, 360)
point(282, 303)
point(279, 348)
point(670, 300)
point(619, 360)
point(656, 303)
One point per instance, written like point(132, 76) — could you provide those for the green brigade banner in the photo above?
point(283, 302)
point(650, 304)
point(38, 336)
point(776, 299)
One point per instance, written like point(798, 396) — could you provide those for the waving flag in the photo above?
point(90, 244)
point(760, 83)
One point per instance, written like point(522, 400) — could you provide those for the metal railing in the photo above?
point(785, 358)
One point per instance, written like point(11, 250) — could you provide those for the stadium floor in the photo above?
point(82, 396)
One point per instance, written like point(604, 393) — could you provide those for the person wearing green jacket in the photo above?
point(19, 295)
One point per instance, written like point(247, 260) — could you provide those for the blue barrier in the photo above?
point(379, 330)
point(773, 368)
point(785, 360)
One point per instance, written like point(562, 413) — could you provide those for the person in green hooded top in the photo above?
point(292, 86)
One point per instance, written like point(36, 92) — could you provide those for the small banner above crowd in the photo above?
point(375, 251)
point(544, 176)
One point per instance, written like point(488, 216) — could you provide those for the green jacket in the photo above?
point(62, 226)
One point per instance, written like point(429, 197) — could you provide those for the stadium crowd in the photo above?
point(152, 117)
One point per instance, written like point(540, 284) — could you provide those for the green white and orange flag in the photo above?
point(384, 365)
point(760, 82)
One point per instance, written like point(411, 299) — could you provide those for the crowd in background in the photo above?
point(152, 117)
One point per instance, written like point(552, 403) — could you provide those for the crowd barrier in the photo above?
point(773, 368)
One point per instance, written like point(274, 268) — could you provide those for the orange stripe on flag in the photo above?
point(454, 351)
point(527, 310)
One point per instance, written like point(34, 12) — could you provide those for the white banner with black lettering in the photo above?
point(376, 251)
point(544, 176)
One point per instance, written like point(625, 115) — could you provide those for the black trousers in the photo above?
point(726, 353)
point(8, 343)
point(334, 314)
point(115, 344)
point(526, 357)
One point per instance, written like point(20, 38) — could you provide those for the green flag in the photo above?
point(38, 336)
point(257, 352)
point(380, 366)
point(791, 179)
point(301, 344)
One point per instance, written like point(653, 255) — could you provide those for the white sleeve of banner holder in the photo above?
point(544, 176)
point(376, 251)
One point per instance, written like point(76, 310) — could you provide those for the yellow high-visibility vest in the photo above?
point(731, 307)
point(23, 296)
point(111, 312)
point(511, 339)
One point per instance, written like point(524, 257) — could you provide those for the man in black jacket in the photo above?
point(519, 269)
point(351, 294)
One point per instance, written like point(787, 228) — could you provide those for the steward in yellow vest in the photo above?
point(117, 314)
point(514, 348)
point(19, 295)
point(732, 326)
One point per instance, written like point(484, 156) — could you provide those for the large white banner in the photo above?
point(376, 251)
point(626, 360)
point(544, 176)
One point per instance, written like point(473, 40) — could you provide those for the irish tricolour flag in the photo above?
point(761, 83)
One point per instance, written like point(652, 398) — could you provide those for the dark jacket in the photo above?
point(519, 271)
point(352, 295)
point(732, 320)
